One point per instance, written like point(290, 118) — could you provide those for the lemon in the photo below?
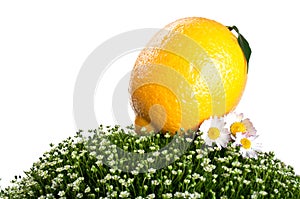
point(192, 69)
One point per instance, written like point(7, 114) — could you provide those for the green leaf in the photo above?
point(243, 44)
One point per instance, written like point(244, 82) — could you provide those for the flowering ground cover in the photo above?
point(116, 163)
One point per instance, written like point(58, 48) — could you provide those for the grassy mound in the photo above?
point(95, 167)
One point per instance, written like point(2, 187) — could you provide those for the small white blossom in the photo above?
point(196, 176)
point(151, 196)
point(154, 182)
point(168, 182)
point(203, 179)
point(141, 151)
point(79, 195)
point(259, 180)
point(164, 152)
point(61, 193)
point(87, 190)
point(151, 170)
point(152, 148)
point(156, 153)
point(134, 172)
point(114, 194)
point(174, 172)
point(124, 194)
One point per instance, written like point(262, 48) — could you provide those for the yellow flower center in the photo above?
point(213, 133)
point(237, 127)
point(246, 143)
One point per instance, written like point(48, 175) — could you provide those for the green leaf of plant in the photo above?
point(243, 44)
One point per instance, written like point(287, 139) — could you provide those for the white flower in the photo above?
point(152, 148)
point(107, 177)
point(249, 145)
point(134, 172)
point(214, 131)
point(154, 182)
point(156, 153)
point(237, 124)
point(61, 193)
point(122, 181)
point(130, 180)
point(141, 151)
point(263, 193)
point(151, 170)
point(167, 135)
point(196, 176)
point(167, 195)
point(179, 194)
point(124, 194)
point(87, 190)
point(168, 182)
point(151, 196)
point(203, 179)
point(125, 148)
point(114, 194)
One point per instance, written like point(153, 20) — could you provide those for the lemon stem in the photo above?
point(243, 44)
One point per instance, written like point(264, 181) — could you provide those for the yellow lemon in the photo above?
point(192, 69)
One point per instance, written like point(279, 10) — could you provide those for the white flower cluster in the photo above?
point(231, 128)
point(82, 169)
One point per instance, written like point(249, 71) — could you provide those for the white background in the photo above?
point(44, 44)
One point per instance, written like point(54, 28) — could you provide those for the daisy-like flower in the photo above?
point(249, 145)
point(214, 131)
point(237, 124)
